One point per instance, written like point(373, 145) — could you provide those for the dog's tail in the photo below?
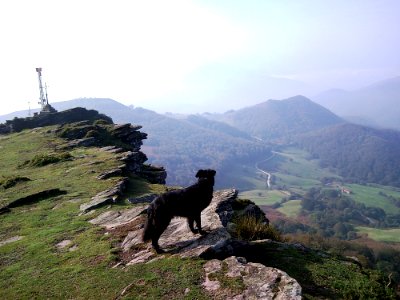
point(148, 226)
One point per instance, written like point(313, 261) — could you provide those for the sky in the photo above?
point(193, 56)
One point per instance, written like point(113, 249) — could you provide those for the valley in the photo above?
point(294, 172)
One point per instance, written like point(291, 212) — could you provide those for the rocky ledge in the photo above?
point(257, 281)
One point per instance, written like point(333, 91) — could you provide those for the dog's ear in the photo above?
point(200, 173)
point(212, 172)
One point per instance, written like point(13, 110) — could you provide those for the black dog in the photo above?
point(188, 202)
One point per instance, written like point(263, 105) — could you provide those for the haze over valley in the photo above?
point(294, 104)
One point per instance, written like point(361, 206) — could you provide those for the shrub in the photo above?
point(239, 204)
point(9, 182)
point(41, 160)
point(250, 228)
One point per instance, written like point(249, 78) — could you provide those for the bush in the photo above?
point(9, 182)
point(239, 204)
point(250, 228)
point(41, 160)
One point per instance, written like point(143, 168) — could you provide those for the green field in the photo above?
point(298, 163)
point(291, 208)
point(263, 197)
point(374, 196)
point(381, 235)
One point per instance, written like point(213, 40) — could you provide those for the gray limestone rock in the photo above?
point(257, 281)
point(105, 197)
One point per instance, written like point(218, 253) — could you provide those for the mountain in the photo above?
point(376, 104)
point(359, 153)
point(182, 145)
point(217, 86)
point(280, 119)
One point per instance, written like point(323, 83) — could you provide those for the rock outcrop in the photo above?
point(251, 280)
point(54, 118)
point(108, 196)
point(258, 281)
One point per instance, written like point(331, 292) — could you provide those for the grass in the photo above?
point(263, 197)
point(322, 276)
point(381, 235)
point(33, 267)
point(291, 208)
point(250, 228)
point(372, 196)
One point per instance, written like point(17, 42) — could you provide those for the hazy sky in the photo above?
point(186, 56)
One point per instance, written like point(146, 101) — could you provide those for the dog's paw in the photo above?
point(159, 251)
point(203, 232)
point(195, 231)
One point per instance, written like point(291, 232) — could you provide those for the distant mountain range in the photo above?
point(182, 145)
point(375, 105)
point(279, 119)
point(185, 143)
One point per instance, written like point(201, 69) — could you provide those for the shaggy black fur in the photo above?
point(188, 202)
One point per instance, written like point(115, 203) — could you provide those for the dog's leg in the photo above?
point(160, 226)
point(198, 223)
point(191, 225)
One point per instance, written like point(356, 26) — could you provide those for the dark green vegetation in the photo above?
point(250, 228)
point(360, 154)
point(10, 181)
point(328, 211)
point(322, 276)
point(41, 160)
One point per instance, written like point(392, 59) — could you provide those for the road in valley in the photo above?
point(264, 171)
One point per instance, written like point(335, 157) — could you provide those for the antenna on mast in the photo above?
point(44, 101)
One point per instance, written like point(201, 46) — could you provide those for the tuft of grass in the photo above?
point(41, 160)
point(11, 181)
point(250, 228)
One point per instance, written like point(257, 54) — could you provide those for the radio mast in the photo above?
point(44, 101)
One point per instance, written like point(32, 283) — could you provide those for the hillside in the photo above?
point(361, 154)
point(376, 104)
point(280, 119)
point(181, 145)
point(56, 246)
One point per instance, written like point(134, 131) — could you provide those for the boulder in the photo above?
point(112, 173)
point(251, 281)
point(105, 197)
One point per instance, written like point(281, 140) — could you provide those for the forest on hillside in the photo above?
point(361, 154)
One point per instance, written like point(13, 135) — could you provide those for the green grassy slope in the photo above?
point(36, 267)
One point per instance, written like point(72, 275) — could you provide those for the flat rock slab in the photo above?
point(11, 240)
point(105, 197)
point(63, 244)
point(113, 219)
point(256, 281)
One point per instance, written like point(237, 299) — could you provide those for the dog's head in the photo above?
point(206, 174)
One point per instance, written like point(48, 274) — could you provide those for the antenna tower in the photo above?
point(43, 96)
